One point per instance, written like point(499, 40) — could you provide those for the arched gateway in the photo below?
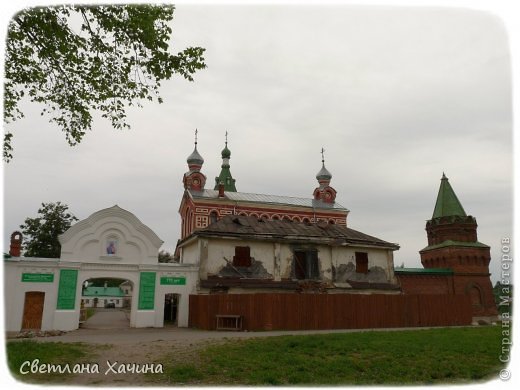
point(112, 243)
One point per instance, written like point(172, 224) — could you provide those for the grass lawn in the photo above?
point(57, 353)
point(430, 356)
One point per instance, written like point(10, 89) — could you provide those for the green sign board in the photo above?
point(67, 289)
point(177, 280)
point(146, 291)
point(42, 278)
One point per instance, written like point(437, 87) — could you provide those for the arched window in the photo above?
point(213, 217)
point(332, 222)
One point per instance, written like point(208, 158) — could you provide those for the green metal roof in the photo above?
point(103, 292)
point(428, 271)
point(226, 178)
point(447, 202)
point(455, 243)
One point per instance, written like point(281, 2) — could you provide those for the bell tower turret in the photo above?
point(194, 179)
point(324, 192)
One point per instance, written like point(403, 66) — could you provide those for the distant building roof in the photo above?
point(103, 292)
point(254, 228)
point(267, 199)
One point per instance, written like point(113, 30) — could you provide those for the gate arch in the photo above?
point(111, 243)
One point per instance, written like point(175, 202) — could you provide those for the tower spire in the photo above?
point(447, 203)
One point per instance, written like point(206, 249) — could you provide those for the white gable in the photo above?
point(111, 235)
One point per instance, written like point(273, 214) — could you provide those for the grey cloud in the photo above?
point(394, 95)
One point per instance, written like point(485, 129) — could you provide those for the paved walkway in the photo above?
point(107, 319)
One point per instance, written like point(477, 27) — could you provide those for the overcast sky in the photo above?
point(396, 96)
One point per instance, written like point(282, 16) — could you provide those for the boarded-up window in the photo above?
point(242, 256)
point(474, 293)
point(306, 264)
point(362, 262)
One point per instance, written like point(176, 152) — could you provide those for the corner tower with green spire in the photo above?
point(453, 243)
point(225, 174)
point(449, 222)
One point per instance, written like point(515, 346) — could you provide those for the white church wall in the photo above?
point(15, 290)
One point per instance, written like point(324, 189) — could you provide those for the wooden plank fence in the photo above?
point(330, 311)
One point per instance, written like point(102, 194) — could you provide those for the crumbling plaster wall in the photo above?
point(380, 265)
point(262, 255)
point(275, 260)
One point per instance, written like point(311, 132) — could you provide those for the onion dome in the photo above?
point(226, 153)
point(195, 158)
point(323, 174)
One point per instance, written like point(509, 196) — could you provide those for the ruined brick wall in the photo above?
point(459, 259)
point(425, 284)
point(480, 290)
point(451, 228)
point(471, 274)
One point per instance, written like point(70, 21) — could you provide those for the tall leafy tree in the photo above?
point(166, 257)
point(41, 233)
point(78, 59)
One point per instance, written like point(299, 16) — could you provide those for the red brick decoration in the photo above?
point(16, 244)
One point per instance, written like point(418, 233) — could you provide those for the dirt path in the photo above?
point(180, 351)
point(143, 353)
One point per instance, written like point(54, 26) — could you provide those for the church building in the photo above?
point(246, 242)
point(201, 206)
